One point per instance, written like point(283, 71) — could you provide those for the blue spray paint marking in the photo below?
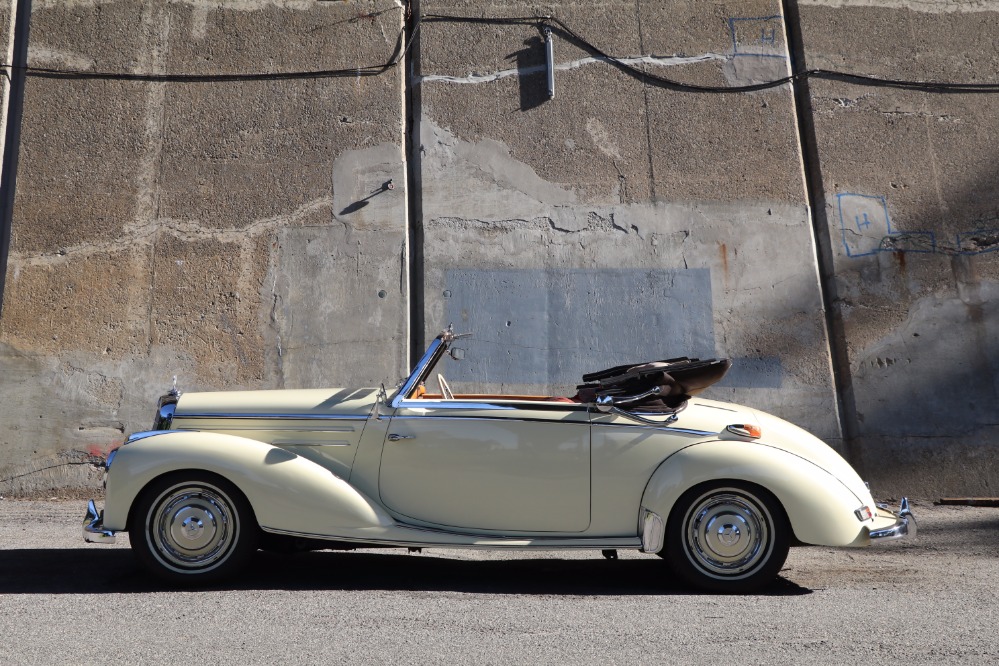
point(549, 327)
point(979, 241)
point(756, 36)
point(924, 242)
point(866, 230)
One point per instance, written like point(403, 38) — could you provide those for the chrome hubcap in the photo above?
point(192, 527)
point(728, 533)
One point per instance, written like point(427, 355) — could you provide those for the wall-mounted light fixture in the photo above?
point(550, 56)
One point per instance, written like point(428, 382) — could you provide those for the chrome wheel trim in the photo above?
point(728, 534)
point(192, 527)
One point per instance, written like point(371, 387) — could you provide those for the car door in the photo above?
point(504, 465)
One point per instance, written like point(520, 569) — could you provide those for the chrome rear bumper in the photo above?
point(904, 526)
point(93, 526)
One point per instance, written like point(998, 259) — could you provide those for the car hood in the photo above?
point(305, 402)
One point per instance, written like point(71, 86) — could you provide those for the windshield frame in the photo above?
point(435, 352)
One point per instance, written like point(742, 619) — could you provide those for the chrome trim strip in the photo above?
point(653, 532)
point(672, 418)
point(904, 527)
point(685, 431)
point(275, 428)
point(724, 409)
point(610, 400)
point(492, 542)
point(414, 376)
point(418, 417)
point(448, 404)
point(136, 436)
point(93, 526)
point(301, 442)
point(284, 417)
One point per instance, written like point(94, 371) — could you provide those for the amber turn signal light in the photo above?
point(745, 430)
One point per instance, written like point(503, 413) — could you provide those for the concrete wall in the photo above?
point(618, 221)
point(910, 186)
point(239, 234)
point(206, 230)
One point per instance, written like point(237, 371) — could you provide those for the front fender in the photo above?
point(287, 492)
point(819, 507)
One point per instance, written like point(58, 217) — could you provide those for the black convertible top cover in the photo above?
point(677, 378)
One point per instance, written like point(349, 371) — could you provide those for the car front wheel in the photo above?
point(192, 527)
point(727, 537)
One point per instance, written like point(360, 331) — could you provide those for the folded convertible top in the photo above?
point(677, 378)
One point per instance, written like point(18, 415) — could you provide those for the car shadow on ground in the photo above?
point(96, 571)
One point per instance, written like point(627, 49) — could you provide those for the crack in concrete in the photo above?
point(659, 61)
point(94, 461)
point(186, 230)
point(208, 5)
point(924, 6)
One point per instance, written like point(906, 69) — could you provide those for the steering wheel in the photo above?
point(445, 389)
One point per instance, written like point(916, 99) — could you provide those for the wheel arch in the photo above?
point(189, 473)
point(285, 491)
point(818, 507)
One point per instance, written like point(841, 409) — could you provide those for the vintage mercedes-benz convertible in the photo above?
point(632, 461)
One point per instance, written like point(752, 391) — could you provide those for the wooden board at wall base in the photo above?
point(970, 501)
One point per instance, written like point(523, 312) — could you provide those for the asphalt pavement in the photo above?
point(934, 600)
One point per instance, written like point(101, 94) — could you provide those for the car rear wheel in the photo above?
point(193, 527)
point(727, 537)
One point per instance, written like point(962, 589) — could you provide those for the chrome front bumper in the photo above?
point(904, 526)
point(93, 526)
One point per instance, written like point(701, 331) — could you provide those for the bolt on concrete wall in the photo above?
point(911, 203)
point(234, 233)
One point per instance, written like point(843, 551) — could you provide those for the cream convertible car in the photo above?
point(719, 491)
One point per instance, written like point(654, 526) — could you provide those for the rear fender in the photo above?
point(287, 492)
point(819, 507)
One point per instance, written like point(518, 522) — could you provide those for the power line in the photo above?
point(557, 26)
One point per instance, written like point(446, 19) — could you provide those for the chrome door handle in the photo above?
point(395, 438)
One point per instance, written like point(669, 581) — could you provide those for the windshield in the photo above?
point(424, 366)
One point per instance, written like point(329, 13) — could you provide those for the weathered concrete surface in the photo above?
point(161, 228)
point(611, 217)
point(911, 185)
point(244, 234)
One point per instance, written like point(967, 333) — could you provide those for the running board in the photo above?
point(419, 538)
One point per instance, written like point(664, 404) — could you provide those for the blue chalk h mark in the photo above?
point(848, 203)
point(873, 232)
point(766, 40)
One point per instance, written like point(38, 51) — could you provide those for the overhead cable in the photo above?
point(557, 27)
